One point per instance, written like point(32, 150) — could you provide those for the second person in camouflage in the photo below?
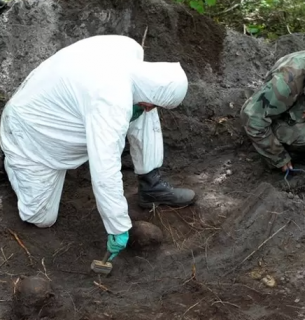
point(274, 116)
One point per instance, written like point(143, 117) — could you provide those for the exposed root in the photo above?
point(101, 286)
point(15, 284)
point(45, 269)
point(5, 258)
point(226, 302)
point(204, 286)
point(144, 37)
point(14, 234)
point(193, 306)
point(254, 251)
point(62, 250)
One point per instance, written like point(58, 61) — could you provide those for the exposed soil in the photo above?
point(217, 257)
point(192, 275)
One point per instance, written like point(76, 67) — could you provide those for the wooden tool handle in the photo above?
point(106, 257)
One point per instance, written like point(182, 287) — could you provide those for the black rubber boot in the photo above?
point(153, 190)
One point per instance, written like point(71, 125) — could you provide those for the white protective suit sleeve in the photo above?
point(106, 129)
point(146, 142)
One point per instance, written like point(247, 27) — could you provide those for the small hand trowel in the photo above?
point(102, 267)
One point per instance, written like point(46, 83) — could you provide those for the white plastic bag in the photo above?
point(146, 142)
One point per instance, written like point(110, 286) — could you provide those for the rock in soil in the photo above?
point(145, 235)
point(31, 295)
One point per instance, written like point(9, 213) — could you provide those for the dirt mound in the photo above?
point(220, 64)
point(61, 23)
point(170, 28)
point(174, 34)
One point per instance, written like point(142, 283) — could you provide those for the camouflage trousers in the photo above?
point(292, 136)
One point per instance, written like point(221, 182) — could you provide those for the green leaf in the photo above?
point(210, 2)
point(197, 5)
point(253, 29)
point(200, 9)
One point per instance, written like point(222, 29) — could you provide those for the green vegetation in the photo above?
point(263, 18)
point(198, 5)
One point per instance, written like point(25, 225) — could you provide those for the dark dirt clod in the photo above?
point(30, 296)
point(145, 235)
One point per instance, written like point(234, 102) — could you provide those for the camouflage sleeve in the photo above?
point(274, 98)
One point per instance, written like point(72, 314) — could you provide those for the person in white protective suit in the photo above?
point(79, 105)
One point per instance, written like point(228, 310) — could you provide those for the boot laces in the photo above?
point(162, 182)
point(166, 184)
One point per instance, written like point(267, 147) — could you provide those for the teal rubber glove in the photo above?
point(136, 113)
point(117, 243)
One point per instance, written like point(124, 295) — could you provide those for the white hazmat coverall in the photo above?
point(77, 106)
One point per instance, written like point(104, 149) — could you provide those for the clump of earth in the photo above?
point(145, 236)
point(31, 295)
point(238, 253)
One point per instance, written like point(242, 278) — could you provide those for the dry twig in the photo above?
point(227, 10)
point(15, 284)
point(264, 242)
point(14, 234)
point(185, 221)
point(144, 37)
point(62, 250)
point(203, 285)
point(261, 245)
point(4, 257)
point(191, 307)
point(101, 286)
point(226, 302)
point(45, 269)
point(245, 29)
point(168, 227)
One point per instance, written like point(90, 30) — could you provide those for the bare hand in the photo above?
point(287, 166)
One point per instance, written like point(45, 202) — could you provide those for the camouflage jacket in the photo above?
point(281, 96)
